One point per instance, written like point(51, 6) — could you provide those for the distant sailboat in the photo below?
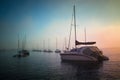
point(37, 50)
point(57, 50)
point(49, 51)
point(65, 49)
point(85, 53)
point(44, 50)
point(23, 52)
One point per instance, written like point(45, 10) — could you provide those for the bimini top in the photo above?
point(84, 43)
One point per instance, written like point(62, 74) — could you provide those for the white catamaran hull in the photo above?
point(77, 57)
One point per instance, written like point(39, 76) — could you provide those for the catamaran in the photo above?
point(88, 52)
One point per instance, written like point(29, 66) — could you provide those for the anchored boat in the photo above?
point(88, 52)
point(23, 52)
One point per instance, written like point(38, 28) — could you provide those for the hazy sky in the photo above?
point(50, 19)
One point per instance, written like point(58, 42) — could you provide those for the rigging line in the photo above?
point(70, 32)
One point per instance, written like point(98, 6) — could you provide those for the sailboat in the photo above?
point(57, 50)
point(37, 50)
point(49, 51)
point(87, 53)
point(44, 50)
point(23, 52)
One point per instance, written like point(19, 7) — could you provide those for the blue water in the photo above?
point(48, 66)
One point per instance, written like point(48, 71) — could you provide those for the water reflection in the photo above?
point(81, 70)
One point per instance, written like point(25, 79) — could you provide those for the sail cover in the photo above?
point(84, 43)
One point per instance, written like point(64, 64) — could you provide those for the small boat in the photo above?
point(49, 51)
point(57, 51)
point(87, 53)
point(22, 53)
point(44, 50)
point(36, 50)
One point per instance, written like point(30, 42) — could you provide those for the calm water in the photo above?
point(48, 66)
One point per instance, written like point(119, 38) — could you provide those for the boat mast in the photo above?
point(24, 42)
point(75, 25)
point(85, 33)
point(43, 45)
point(65, 44)
point(48, 45)
point(56, 43)
point(18, 42)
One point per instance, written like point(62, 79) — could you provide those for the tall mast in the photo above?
point(24, 42)
point(75, 24)
point(48, 44)
point(85, 33)
point(18, 41)
point(43, 45)
point(56, 43)
point(65, 43)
